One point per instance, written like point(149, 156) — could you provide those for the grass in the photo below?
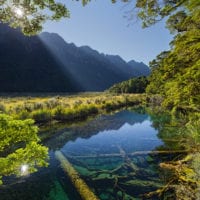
point(60, 108)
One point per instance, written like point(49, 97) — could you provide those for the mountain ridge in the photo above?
point(47, 63)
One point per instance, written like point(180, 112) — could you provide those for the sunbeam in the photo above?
point(59, 54)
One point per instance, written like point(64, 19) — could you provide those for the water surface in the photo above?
point(112, 154)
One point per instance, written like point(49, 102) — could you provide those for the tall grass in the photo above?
point(66, 108)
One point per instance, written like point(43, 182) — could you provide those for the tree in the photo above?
point(134, 85)
point(20, 152)
point(175, 74)
point(152, 11)
point(30, 15)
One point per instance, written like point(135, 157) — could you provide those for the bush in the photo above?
point(52, 103)
point(38, 105)
point(80, 112)
point(61, 114)
point(2, 108)
point(42, 115)
point(23, 115)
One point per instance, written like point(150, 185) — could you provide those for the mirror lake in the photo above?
point(116, 155)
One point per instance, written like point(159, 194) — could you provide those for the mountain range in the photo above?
point(47, 63)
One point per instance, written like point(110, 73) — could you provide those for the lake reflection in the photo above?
point(115, 159)
point(138, 136)
point(117, 155)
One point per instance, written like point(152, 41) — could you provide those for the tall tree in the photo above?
point(176, 73)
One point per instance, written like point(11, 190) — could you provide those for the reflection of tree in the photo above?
point(20, 153)
point(177, 131)
point(92, 127)
point(182, 172)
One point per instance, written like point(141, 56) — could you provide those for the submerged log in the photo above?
point(81, 187)
point(136, 153)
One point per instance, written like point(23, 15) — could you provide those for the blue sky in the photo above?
point(102, 26)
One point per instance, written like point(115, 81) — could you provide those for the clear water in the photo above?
point(111, 154)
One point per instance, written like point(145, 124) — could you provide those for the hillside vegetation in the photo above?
point(176, 73)
point(134, 85)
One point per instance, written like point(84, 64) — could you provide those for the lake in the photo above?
point(117, 156)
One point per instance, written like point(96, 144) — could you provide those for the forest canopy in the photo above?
point(134, 85)
point(176, 74)
point(30, 15)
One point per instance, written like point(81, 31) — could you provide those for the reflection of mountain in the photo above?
point(110, 122)
point(102, 123)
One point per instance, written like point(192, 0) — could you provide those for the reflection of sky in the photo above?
point(137, 137)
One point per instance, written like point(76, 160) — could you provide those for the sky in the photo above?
point(102, 26)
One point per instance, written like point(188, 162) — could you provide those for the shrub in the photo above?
point(2, 108)
point(28, 106)
point(80, 112)
point(42, 115)
point(52, 103)
point(61, 114)
point(23, 115)
point(38, 105)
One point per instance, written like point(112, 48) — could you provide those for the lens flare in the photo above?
point(24, 169)
point(19, 12)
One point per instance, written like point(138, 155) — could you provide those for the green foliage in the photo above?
point(2, 108)
point(42, 115)
point(14, 131)
point(19, 147)
point(176, 74)
point(79, 112)
point(153, 11)
point(134, 85)
point(29, 15)
point(69, 108)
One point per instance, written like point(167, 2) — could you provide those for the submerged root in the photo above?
point(159, 192)
point(184, 181)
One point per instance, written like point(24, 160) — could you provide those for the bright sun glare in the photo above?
point(19, 12)
point(24, 169)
